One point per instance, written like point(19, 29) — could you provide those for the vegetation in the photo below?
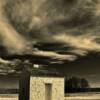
point(76, 84)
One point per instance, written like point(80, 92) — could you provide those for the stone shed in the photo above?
point(29, 83)
point(42, 84)
point(46, 87)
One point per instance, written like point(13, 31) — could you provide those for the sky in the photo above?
point(65, 31)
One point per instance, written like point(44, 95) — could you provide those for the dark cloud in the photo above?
point(68, 23)
point(51, 32)
point(50, 16)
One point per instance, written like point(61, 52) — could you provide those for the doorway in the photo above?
point(48, 91)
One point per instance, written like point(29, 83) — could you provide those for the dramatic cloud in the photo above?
point(79, 52)
point(54, 55)
point(9, 37)
point(4, 61)
point(73, 23)
point(84, 42)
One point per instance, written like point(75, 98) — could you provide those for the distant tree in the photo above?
point(72, 82)
point(17, 64)
point(84, 83)
point(76, 82)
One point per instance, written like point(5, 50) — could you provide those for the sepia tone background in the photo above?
point(60, 34)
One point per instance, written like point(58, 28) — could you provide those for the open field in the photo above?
point(71, 96)
point(8, 97)
point(83, 96)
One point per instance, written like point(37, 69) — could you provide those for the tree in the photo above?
point(84, 83)
point(76, 82)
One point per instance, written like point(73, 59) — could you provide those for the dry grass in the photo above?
point(8, 97)
point(83, 96)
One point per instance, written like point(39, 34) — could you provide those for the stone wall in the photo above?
point(37, 88)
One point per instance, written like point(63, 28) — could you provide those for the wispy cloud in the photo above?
point(11, 39)
point(54, 55)
point(84, 42)
point(4, 61)
point(79, 52)
point(73, 23)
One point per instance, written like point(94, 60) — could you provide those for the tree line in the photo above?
point(76, 84)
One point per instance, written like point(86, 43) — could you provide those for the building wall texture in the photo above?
point(37, 88)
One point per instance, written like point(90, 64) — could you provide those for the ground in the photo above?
point(75, 96)
point(8, 97)
point(83, 96)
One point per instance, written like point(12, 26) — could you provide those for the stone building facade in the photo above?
point(46, 88)
point(36, 84)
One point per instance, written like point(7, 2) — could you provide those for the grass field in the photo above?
point(71, 96)
point(83, 96)
point(8, 97)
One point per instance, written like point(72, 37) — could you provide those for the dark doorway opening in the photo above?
point(48, 91)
